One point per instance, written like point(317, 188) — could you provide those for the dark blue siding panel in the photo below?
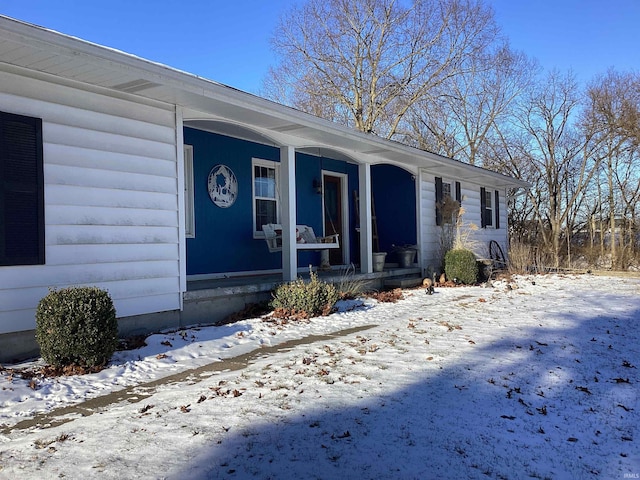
point(224, 236)
point(354, 221)
point(394, 193)
point(309, 203)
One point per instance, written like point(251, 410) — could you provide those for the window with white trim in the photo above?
point(266, 205)
point(189, 215)
point(445, 209)
point(489, 208)
point(446, 189)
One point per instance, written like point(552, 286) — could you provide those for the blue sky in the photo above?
point(228, 41)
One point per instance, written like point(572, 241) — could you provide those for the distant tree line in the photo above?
point(439, 75)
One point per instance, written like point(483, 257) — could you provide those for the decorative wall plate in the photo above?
point(222, 185)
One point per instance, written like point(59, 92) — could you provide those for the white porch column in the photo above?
point(182, 237)
point(366, 242)
point(419, 227)
point(288, 219)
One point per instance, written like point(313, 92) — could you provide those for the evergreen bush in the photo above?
point(300, 299)
point(460, 265)
point(76, 326)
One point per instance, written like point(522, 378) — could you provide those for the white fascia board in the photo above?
point(356, 144)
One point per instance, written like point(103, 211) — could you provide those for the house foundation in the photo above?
point(209, 302)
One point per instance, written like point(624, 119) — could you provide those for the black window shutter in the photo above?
point(21, 190)
point(439, 199)
point(483, 207)
point(497, 209)
point(458, 193)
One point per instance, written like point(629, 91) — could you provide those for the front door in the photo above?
point(333, 215)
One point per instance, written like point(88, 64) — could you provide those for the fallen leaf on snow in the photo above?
point(621, 380)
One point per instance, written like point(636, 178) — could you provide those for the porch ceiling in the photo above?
point(42, 51)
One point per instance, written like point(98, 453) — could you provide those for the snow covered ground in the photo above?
point(536, 378)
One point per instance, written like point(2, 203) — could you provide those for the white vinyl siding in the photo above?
point(111, 200)
point(430, 233)
point(483, 236)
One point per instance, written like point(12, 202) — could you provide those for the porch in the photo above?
point(211, 301)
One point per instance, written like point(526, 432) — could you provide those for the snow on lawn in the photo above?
point(537, 378)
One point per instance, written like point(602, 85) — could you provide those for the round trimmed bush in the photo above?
point(460, 265)
point(77, 326)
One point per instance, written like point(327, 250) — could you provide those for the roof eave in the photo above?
point(160, 82)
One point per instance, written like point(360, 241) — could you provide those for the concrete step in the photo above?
point(403, 282)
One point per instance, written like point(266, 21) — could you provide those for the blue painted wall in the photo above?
point(309, 203)
point(394, 194)
point(308, 169)
point(224, 236)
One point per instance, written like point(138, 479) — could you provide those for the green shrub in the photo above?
point(76, 326)
point(300, 299)
point(460, 265)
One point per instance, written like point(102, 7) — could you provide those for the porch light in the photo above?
point(317, 186)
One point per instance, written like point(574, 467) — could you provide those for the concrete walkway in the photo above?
point(137, 393)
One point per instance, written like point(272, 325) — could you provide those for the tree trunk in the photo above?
point(612, 215)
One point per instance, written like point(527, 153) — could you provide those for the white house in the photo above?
point(107, 163)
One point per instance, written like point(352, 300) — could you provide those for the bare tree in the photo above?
point(548, 149)
point(366, 63)
point(459, 121)
point(435, 74)
point(613, 112)
point(615, 104)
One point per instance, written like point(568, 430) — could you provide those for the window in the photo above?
point(189, 215)
point(489, 208)
point(488, 211)
point(265, 195)
point(21, 190)
point(446, 209)
point(446, 190)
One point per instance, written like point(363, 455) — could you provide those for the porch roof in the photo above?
point(42, 53)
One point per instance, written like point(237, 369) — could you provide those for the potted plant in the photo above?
point(378, 261)
point(406, 255)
